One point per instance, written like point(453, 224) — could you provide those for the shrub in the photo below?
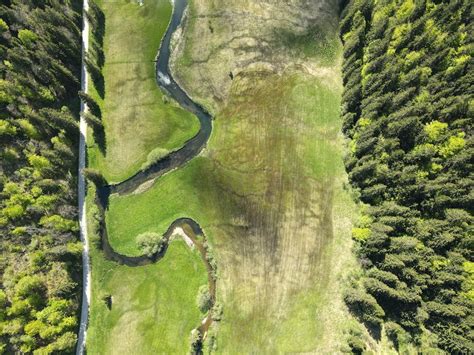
point(149, 243)
point(210, 343)
point(94, 218)
point(154, 156)
point(196, 341)
point(356, 344)
point(203, 299)
point(217, 312)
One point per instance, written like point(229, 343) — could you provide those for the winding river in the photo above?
point(172, 161)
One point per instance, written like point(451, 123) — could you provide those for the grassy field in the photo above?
point(268, 192)
point(135, 117)
point(154, 307)
point(268, 189)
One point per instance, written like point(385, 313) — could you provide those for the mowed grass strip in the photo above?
point(136, 117)
point(153, 307)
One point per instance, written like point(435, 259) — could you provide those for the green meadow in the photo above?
point(153, 307)
point(268, 191)
point(136, 115)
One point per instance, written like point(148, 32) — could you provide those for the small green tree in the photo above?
point(27, 37)
point(149, 243)
point(204, 299)
point(95, 176)
point(3, 26)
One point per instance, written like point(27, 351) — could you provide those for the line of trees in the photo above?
point(40, 262)
point(408, 107)
point(95, 60)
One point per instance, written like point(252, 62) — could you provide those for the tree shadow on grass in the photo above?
point(100, 139)
point(97, 19)
point(96, 76)
point(98, 53)
point(96, 61)
point(375, 330)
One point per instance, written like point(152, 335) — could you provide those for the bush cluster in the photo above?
point(149, 243)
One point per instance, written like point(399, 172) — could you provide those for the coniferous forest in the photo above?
point(407, 110)
point(40, 262)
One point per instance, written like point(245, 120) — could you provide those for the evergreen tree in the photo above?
point(407, 108)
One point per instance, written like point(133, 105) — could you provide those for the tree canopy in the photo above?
point(40, 263)
point(407, 111)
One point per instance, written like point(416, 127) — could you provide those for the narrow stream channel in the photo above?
point(172, 161)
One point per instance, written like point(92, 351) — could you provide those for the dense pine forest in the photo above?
point(40, 50)
point(408, 107)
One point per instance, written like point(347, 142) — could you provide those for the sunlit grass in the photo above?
point(135, 116)
point(274, 146)
point(154, 307)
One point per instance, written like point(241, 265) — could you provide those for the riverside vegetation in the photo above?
point(40, 262)
point(408, 110)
